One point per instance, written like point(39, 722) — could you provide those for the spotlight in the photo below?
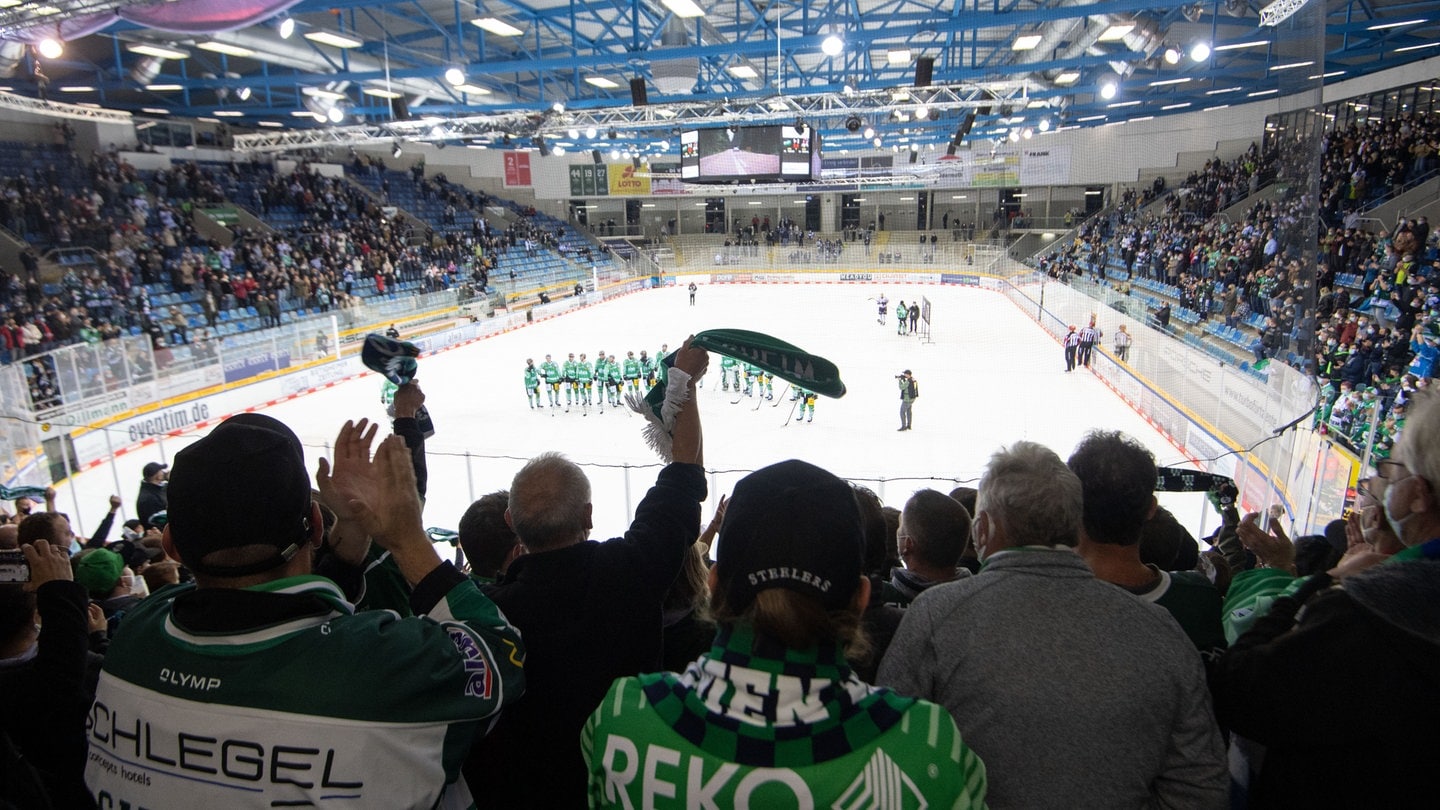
point(614, 154)
point(437, 131)
point(558, 151)
point(335, 114)
point(574, 134)
point(852, 124)
point(1172, 56)
point(287, 27)
point(833, 45)
point(1044, 124)
point(922, 112)
point(1014, 136)
point(558, 106)
point(877, 143)
point(1200, 52)
point(243, 94)
point(51, 48)
point(869, 132)
point(454, 76)
point(590, 133)
point(1028, 133)
point(1108, 90)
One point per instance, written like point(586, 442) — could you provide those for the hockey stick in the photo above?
point(791, 412)
point(782, 395)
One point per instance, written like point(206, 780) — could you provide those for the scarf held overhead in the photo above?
point(784, 360)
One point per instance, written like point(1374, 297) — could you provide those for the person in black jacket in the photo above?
point(151, 498)
point(48, 678)
point(589, 612)
point(1304, 684)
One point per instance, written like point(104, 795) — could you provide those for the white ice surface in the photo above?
point(990, 377)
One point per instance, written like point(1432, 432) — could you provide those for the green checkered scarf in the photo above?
point(755, 702)
point(15, 493)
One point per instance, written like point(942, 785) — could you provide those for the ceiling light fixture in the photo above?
point(474, 90)
point(334, 40)
point(832, 45)
point(164, 88)
point(335, 114)
point(1200, 51)
point(498, 27)
point(158, 51)
point(898, 57)
point(1235, 46)
point(743, 72)
point(1025, 42)
point(685, 9)
point(1172, 56)
point(51, 48)
point(1108, 90)
point(454, 76)
point(225, 48)
point(1068, 77)
point(380, 92)
point(287, 27)
point(601, 82)
point(1116, 32)
point(1383, 26)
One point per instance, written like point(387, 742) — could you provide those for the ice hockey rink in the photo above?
point(991, 376)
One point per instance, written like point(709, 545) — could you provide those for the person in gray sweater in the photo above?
point(1074, 692)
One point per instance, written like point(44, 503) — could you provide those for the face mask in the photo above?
point(1397, 525)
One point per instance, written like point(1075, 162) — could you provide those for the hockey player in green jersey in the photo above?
point(585, 379)
point(902, 313)
point(532, 384)
point(767, 387)
point(632, 373)
point(387, 396)
point(807, 400)
point(553, 378)
point(615, 380)
point(572, 388)
point(729, 373)
point(647, 370)
point(773, 715)
point(751, 372)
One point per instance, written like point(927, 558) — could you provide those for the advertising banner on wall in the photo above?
point(1045, 166)
point(626, 179)
point(517, 169)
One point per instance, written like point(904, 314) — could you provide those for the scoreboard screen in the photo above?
point(737, 153)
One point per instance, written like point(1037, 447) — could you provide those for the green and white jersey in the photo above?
point(315, 705)
point(550, 371)
point(612, 370)
point(647, 365)
point(532, 377)
point(752, 725)
point(727, 362)
point(632, 368)
point(570, 369)
point(583, 372)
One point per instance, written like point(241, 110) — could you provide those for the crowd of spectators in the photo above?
point(1359, 308)
point(830, 640)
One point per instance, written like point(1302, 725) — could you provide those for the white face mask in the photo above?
point(1397, 525)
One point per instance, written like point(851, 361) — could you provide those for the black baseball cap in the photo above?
point(153, 467)
point(791, 525)
point(244, 484)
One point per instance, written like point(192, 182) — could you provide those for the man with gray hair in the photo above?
point(1346, 664)
point(589, 612)
point(1072, 691)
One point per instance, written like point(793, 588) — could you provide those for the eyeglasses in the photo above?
point(1387, 472)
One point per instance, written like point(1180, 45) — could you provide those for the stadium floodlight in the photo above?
point(1172, 56)
point(287, 27)
point(1200, 51)
point(832, 45)
point(454, 76)
point(1108, 90)
point(51, 48)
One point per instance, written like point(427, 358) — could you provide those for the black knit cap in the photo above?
point(244, 484)
point(791, 525)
